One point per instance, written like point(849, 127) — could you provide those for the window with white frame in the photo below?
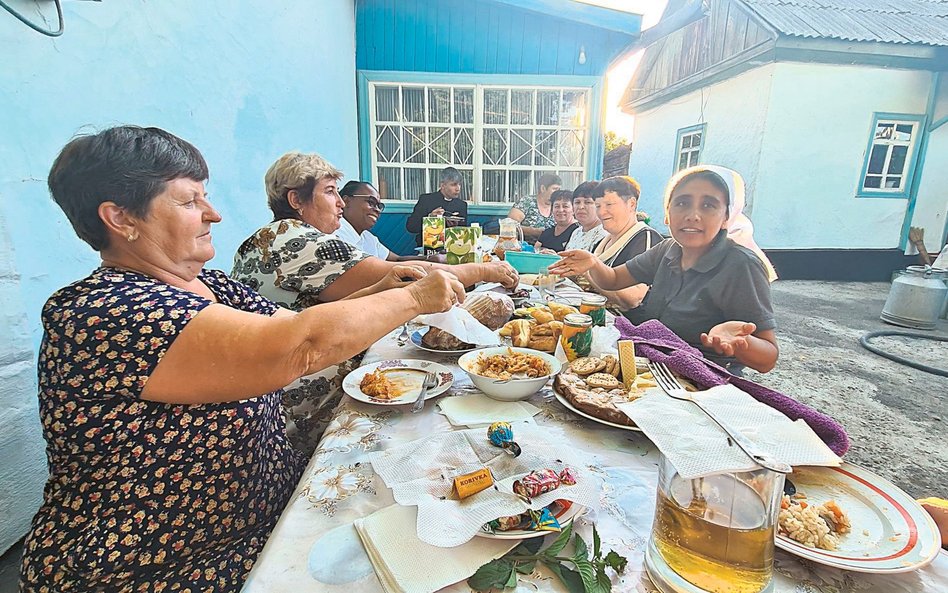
point(689, 147)
point(501, 138)
point(889, 158)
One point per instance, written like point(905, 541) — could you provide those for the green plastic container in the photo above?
point(530, 263)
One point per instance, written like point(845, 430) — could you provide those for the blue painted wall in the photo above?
point(244, 81)
point(480, 36)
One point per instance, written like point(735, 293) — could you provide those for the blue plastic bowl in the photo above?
point(530, 263)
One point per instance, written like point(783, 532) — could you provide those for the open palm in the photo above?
point(729, 338)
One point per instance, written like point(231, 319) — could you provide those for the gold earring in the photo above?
point(131, 237)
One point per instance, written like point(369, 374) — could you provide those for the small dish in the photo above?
point(891, 533)
point(409, 373)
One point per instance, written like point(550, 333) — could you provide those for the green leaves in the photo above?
point(496, 574)
point(588, 575)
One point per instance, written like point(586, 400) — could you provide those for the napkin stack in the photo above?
point(698, 447)
point(478, 410)
point(403, 562)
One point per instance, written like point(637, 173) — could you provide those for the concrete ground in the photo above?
point(896, 416)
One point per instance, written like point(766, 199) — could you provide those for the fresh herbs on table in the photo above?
point(588, 575)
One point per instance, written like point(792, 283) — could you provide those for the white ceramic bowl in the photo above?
point(515, 389)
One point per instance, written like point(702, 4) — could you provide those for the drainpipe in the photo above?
point(922, 153)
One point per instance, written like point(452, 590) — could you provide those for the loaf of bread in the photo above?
point(490, 308)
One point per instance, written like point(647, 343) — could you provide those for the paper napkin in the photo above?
point(697, 447)
point(405, 564)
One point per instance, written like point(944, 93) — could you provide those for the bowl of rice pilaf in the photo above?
point(509, 374)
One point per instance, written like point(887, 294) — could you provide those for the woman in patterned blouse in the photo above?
point(159, 381)
point(297, 262)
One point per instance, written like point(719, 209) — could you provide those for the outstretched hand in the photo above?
point(573, 263)
point(401, 275)
point(729, 338)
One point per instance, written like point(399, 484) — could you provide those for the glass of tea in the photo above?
point(714, 534)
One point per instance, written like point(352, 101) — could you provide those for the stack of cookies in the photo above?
point(593, 385)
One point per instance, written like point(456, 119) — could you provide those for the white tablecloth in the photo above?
point(315, 548)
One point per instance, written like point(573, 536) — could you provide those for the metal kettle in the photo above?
point(916, 298)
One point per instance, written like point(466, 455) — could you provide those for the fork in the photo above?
point(431, 380)
point(670, 385)
point(403, 337)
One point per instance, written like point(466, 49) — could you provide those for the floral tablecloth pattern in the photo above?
point(315, 548)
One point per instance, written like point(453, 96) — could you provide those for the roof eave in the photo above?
point(608, 19)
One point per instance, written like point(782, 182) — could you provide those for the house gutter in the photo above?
point(922, 153)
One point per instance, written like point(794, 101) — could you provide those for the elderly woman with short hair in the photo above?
point(296, 261)
point(159, 381)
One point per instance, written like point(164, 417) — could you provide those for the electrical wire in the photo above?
point(864, 342)
point(37, 28)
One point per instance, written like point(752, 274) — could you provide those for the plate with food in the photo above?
point(849, 518)
point(525, 525)
point(509, 374)
point(491, 309)
point(593, 386)
point(418, 340)
point(395, 382)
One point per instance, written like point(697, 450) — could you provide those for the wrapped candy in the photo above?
point(567, 477)
point(506, 523)
point(543, 520)
point(536, 483)
point(500, 434)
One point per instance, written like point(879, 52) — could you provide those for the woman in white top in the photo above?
point(590, 231)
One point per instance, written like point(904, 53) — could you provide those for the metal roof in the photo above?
point(890, 21)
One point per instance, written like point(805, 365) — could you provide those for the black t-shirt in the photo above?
point(728, 283)
point(550, 240)
point(428, 202)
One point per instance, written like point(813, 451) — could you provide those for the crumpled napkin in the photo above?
point(461, 324)
point(698, 447)
point(403, 562)
point(477, 410)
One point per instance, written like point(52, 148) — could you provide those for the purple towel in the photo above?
point(658, 343)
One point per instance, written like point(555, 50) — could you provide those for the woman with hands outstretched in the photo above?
point(710, 283)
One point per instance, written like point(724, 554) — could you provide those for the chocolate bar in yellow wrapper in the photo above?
point(627, 362)
point(472, 483)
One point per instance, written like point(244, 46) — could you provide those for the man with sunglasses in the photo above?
point(362, 209)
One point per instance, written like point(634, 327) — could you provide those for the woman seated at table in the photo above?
point(297, 262)
point(589, 232)
point(159, 381)
point(363, 206)
point(554, 238)
point(710, 283)
point(617, 207)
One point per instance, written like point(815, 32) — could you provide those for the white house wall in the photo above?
point(244, 81)
point(815, 141)
point(931, 206)
point(735, 112)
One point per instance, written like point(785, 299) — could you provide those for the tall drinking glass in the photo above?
point(546, 282)
point(714, 534)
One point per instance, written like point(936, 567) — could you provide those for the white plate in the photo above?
point(416, 337)
point(565, 516)
point(890, 532)
point(410, 373)
point(570, 407)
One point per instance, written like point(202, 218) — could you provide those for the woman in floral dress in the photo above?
point(159, 382)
